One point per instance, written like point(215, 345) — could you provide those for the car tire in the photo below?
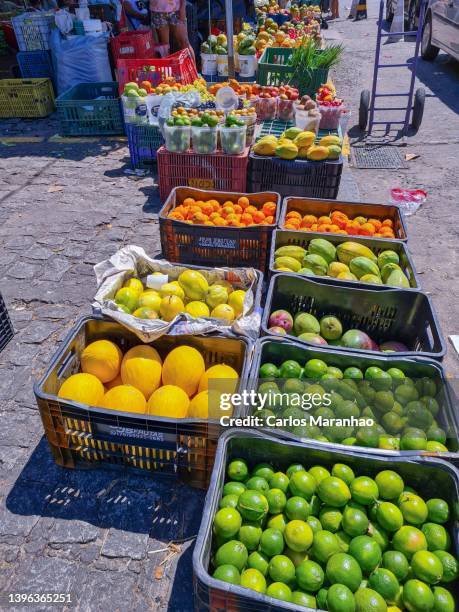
point(428, 51)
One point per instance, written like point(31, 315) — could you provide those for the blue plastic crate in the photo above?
point(35, 64)
point(90, 109)
point(144, 142)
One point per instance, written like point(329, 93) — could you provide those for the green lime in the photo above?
point(298, 535)
point(405, 393)
point(297, 508)
point(372, 372)
point(383, 401)
point(290, 369)
point(388, 443)
point(227, 573)
point(232, 553)
point(315, 505)
point(263, 470)
point(324, 545)
point(321, 598)
point(330, 518)
point(437, 537)
point(437, 510)
point(315, 368)
point(368, 600)
point(295, 557)
point(344, 569)
point(295, 467)
point(340, 599)
point(417, 596)
point(390, 484)
point(276, 501)
point(293, 385)
point(409, 540)
point(355, 522)
point(252, 505)
point(436, 434)
point(237, 470)
point(443, 600)
point(268, 370)
point(396, 374)
point(364, 490)
point(227, 522)
point(305, 600)
point(413, 439)
point(250, 536)
point(280, 591)
point(334, 492)
point(389, 516)
point(314, 524)
point(228, 501)
point(257, 483)
point(393, 422)
point(302, 484)
point(258, 561)
point(397, 563)
point(333, 372)
point(253, 579)
point(367, 437)
point(436, 447)
point(366, 551)
point(353, 373)
point(277, 521)
point(319, 473)
point(450, 565)
point(431, 404)
point(309, 576)
point(413, 508)
point(384, 582)
point(271, 542)
point(344, 540)
point(281, 569)
point(233, 488)
point(427, 567)
point(379, 535)
point(279, 480)
point(340, 470)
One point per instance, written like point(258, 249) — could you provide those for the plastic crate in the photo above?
point(303, 178)
point(388, 314)
point(88, 436)
point(32, 30)
point(6, 327)
point(90, 109)
point(217, 171)
point(35, 64)
point(276, 351)
point(275, 71)
point(143, 142)
point(300, 238)
point(26, 98)
point(215, 246)
point(135, 44)
point(319, 208)
point(429, 475)
point(179, 65)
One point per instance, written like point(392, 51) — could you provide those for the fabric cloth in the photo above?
point(140, 6)
point(160, 20)
point(164, 6)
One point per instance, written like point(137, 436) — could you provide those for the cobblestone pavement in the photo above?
point(103, 535)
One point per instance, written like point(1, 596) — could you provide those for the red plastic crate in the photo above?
point(179, 65)
point(217, 172)
point(135, 44)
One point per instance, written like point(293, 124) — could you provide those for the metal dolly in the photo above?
point(415, 101)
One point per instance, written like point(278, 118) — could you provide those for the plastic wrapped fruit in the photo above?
point(177, 138)
point(330, 116)
point(204, 139)
point(233, 139)
point(285, 110)
point(266, 108)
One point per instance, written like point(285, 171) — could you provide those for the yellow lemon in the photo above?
point(220, 377)
point(223, 283)
point(150, 299)
point(135, 284)
point(194, 284)
point(236, 301)
point(199, 406)
point(197, 309)
point(141, 368)
point(114, 383)
point(124, 398)
point(169, 401)
point(101, 358)
point(170, 307)
point(82, 388)
point(172, 288)
point(223, 311)
point(184, 367)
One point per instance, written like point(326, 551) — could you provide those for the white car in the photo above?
point(441, 29)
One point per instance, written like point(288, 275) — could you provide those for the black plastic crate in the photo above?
point(388, 314)
point(429, 475)
point(303, 178)
point(6, 327)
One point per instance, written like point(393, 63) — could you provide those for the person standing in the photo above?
point(169, 17)
point(137, 14)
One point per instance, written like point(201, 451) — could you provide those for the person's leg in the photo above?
point(180, 33)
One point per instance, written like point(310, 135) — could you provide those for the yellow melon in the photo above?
point(169, 401)
point(184, 367)
point(114, 383)
point(141, 368)
point(82, 388)
point(220, 377)
point(101, 358)
point(125, 398)
point(199, 406)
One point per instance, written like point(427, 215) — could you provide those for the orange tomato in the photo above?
point(269, 209)
point(208, 223)
point(215, 205)
point(243, 202)
point(294, 221)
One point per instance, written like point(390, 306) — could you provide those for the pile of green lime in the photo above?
point(405, 411)
point(334, 540)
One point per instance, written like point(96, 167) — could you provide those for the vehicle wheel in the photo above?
point(428, 51)
point(389, 11)
point(364, 109)
point(418, 107)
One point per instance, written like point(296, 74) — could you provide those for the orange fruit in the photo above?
point(376, 223)
point(227, 210)
point(208, 223)
point(238, 209)
point(258, 216)
point(207, 209)
point(367, 229)
point(269, 209)
point(199, 217)
point(176, 215)
point(334, 228)
point(214, 215)
point(293, 213)
point(269, 220)
point(220, 222)
point(246, 218)
point(313, 227)
point(324, 220)
point(251, 209)
point(308, 220)
point(243, 202)
point(387, 223)
point(188, 202)
point(215, 205)
point(199, 203)
point(290, 226)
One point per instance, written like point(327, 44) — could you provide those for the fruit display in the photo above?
point(297, 144)
point(356, 404)
point(338, 222)
point(140, 381)
point(334, 537)
point(233, 135)
point(330, 106)
point(232, 213)
point(350, 261)
point(244, 43)
point(272, 102)
point(289, 35)
point(144, 87)
point(193, 116)
point(217, 45)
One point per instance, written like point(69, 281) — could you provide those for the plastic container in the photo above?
point(6, 327)
point(204, 139)
point(215, 246)
point(247, 65)
point(32, 30)
point(266, 108)
point(388, 314)
point(143, 142)
point(330, 116)
point(233, 139)
point(209, 64)
point(251, 123)
point(86, 436)
point(300, 238)
point(222, 65)
point(426, 474)
point(307, 122)
point(177, 138)
point(285, 110)
point(320, 208)
point(35, 64)
point(27, 98)
point(135, 44)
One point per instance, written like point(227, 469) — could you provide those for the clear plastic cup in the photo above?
point(307, 122)
point(204, 139)
point(285, 110)
point(330, 116)
point(233, 139)
point(266, 108)
point(177, 138)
